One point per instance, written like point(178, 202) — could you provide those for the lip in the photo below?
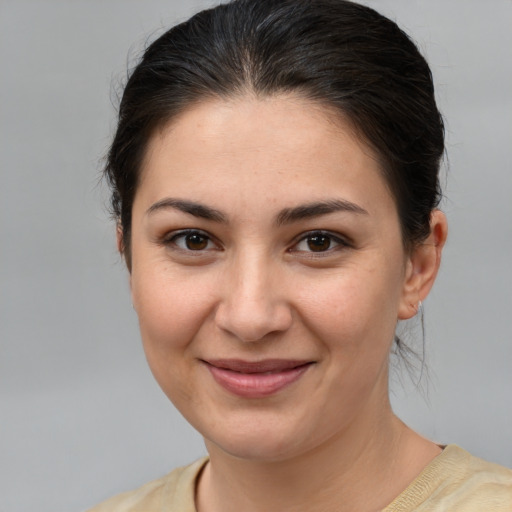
point(256, 379)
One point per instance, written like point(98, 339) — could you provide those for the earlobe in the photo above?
point(422, 266)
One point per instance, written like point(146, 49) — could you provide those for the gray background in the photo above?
point(80, 415)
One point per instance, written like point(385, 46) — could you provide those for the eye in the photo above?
point(318, 242)
point(191, 240)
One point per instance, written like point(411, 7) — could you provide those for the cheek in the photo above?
point(353, 307)
point(170, 310)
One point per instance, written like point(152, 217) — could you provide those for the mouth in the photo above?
point(256, 379)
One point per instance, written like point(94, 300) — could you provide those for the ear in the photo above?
point(422, 266)
point(121, 247)
point(120, 239)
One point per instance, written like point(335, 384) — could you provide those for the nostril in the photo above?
point(251, 323)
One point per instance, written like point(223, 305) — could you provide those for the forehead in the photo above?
point(251, 123)
point(285, 148)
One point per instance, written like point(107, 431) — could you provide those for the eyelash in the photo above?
point(338, 241)
point(330, 238)
point(171, 240)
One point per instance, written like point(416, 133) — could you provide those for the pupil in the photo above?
point(319, 243)
point(196, 242)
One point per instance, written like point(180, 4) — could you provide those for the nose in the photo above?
point(253, 303)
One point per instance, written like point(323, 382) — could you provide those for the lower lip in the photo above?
point(256, 385)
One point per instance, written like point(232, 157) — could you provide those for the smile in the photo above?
point(256, 379)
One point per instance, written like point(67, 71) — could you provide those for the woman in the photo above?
point(275, 182)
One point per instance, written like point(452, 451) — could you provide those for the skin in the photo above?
point(249, 286)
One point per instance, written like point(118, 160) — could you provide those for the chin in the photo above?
point(258, 439)
point(254, 448)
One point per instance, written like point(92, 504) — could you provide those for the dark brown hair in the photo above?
point(344, 55)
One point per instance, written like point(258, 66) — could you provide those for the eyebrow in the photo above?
point(316, 209)
point(285, 216)
point(190, 207)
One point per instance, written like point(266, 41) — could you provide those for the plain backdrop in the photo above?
point(80, 415)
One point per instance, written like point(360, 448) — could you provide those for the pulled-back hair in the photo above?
point(341, 54)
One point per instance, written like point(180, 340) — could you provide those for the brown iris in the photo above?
point(196, 241)
point(319, 243)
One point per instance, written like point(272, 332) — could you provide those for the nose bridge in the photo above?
point(253, 304)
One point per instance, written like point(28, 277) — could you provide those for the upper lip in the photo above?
point(264, 366)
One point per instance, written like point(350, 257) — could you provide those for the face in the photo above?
point(268, 274)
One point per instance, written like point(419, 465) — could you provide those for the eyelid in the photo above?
point(339, 240)
point(169, 240)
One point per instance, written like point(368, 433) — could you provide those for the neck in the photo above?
point(362, 469)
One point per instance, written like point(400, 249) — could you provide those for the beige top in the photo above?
point(454, 481)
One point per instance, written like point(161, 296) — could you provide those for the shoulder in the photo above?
point(486, 484)
point(173, 492)
point(459, 482)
